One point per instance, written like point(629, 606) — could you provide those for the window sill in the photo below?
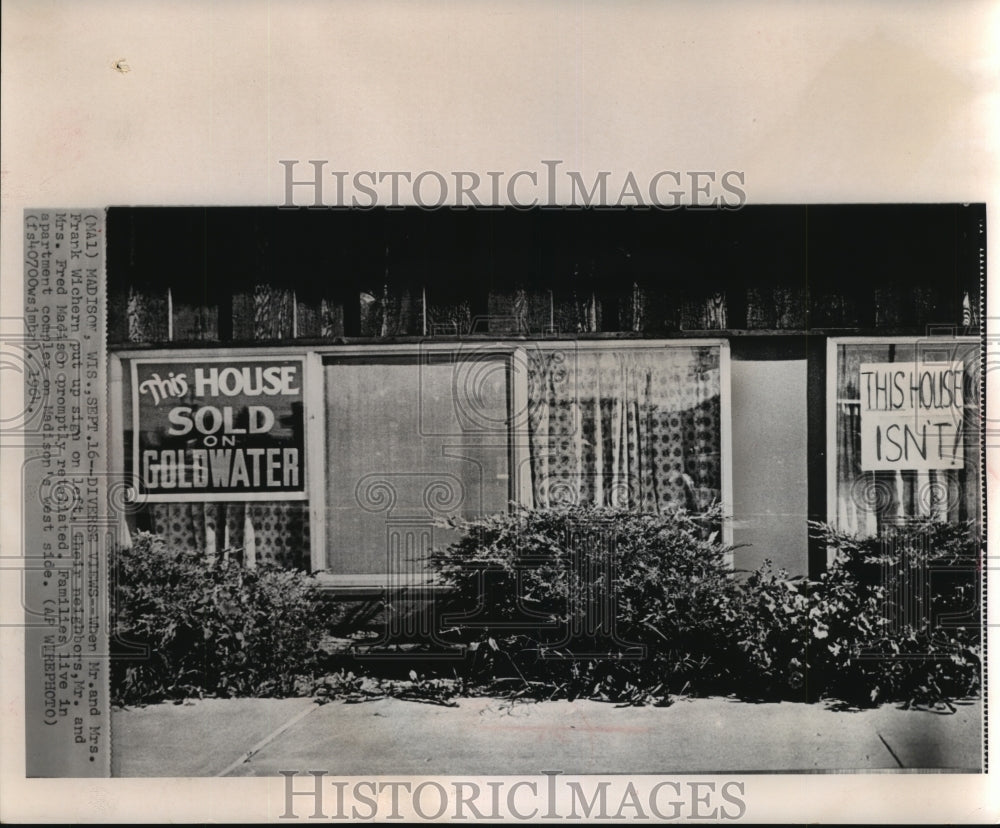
point(377, 586)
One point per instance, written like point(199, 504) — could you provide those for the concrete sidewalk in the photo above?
point(254, 737)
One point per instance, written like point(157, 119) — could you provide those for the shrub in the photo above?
point(589, 601)
point(801, 639)
point(529, 587)
point(579, 602)
point(183, 625)
point(917, 634)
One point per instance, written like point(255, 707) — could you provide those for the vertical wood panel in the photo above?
point(389, 309)
point(147, 313)
point(700, 312)
point(194, 322)
point(316, 453)
point(519, 310)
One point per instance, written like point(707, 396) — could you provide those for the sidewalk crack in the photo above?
point(274, 734)
point(891, 751)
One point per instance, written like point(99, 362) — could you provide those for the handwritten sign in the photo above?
point(911, 416)
point(219, 429)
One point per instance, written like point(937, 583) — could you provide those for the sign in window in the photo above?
point(219, 429)
point(904, 432)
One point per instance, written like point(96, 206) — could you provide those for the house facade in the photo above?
point(326, 389)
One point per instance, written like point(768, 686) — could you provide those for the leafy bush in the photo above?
point(916, 630)
point(577, 602)
point(629, 607)
point(590, 601)
point(184, 625)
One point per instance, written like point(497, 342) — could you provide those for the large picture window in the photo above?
point(903, 431)
point(411, 440)
point(630, 428)
point(402, 438)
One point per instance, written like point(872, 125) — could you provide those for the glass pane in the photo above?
point(410, 441)
point(635, 428)
point(257, 532)
point(908, 433)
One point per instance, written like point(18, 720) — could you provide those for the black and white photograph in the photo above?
point(507, 413)
point(411, 491)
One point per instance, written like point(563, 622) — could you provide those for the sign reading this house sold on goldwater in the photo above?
point(911, 416)
point(218, 429)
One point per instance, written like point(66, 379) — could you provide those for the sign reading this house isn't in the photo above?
point(911, 416)
point(218, 429)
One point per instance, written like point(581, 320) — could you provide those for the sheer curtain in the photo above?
point(628, 427)
point(869, 500)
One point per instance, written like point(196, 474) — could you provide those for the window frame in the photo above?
point(315, 359)
point(832, 345)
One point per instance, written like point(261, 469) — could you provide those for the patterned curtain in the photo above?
point(636, 429)
point(869, 500)
point(261, 532)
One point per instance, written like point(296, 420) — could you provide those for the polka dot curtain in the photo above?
point(261, 532)
point(629, 428)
